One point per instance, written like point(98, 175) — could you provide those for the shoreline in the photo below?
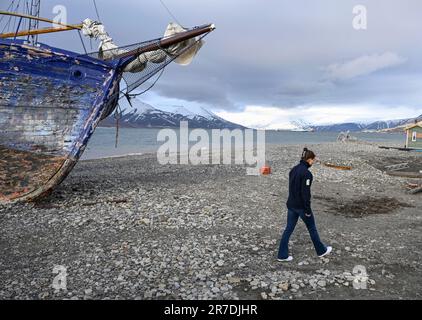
point(268, 144)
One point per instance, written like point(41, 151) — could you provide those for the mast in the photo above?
point(34, 24)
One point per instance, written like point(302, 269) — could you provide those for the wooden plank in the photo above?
point(334, 166)
point(38, 31)
point(395, 148)
point(404, 174)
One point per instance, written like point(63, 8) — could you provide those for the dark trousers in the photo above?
point(292, 217)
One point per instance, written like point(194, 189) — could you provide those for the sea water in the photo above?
point(140, 141)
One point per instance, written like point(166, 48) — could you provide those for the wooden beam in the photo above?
point(338, 167)
point(38, 31)
point(27, 16)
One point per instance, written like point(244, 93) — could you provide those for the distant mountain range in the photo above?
point(383, 126)
point(143, 115)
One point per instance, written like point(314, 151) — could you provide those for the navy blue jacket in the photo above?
point(300, 181)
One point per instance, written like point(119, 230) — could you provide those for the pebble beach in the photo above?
point(130, 228)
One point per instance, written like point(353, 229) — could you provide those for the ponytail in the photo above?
point(307, 154)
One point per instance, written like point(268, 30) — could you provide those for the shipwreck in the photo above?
point(51, 100)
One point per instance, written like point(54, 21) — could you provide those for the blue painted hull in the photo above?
point(50, 104)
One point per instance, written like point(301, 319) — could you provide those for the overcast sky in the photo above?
point(272, 61)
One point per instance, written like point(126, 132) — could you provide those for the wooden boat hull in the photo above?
point(51, 101)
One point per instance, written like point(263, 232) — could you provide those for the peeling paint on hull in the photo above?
point(50, 104)
point(23, 172)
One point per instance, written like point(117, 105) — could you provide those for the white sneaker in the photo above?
point(289, 258)
point(329, 249)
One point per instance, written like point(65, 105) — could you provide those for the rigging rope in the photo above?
point(117, 116)
point(17, 10)
point(8, 9)
point(82, 41)
point(7, 25)
point(26, 22)
point(96, 10)
point(170, 13)
point(147, 89)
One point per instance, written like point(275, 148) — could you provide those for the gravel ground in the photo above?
point(129, 228)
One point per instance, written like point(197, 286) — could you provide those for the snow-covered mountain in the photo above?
point(393, 125)
point(389, 125)
point(143, 115)
point(301, 125)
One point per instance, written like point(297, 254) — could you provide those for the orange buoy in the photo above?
point(266, 170)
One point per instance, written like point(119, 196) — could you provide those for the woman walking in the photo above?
point(299, 205)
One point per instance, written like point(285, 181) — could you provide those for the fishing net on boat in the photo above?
point(149, 62)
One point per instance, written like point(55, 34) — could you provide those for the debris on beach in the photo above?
point(360, 207)
point(346, 137)
point(396, 167)
point(336, 166)
point(414, 188)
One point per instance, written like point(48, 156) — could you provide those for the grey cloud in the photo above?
point(363, 65)
point(275, 52)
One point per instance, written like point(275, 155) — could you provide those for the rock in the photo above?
point(284, 286)
point(145, 221)
point(234, 280)
point(254, 283)
point(88, 292)
point(322, 283)
point(120, 278)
